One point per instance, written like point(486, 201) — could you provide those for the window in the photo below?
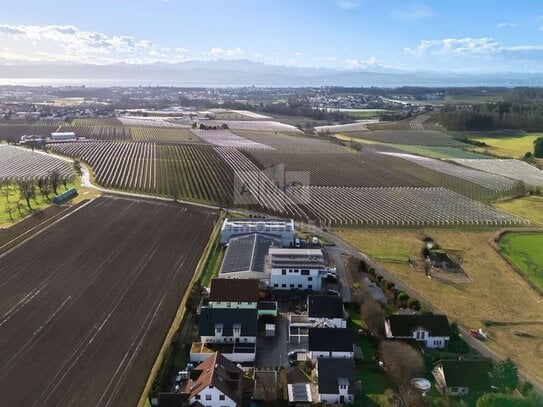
point(208, 396)
point(283, 272)
point(305, 272)
point(197, 397)
point(290, 271)
point(299, 286)
point(310, 286)
point(454, 389)
point(221, 397)
point(309, 278)
point(210, 386)
point(276, 285)
point(292, 286)
point(283, 285)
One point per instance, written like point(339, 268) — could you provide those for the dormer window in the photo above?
point(218, 329)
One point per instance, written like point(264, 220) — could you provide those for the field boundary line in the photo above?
point(180, 314)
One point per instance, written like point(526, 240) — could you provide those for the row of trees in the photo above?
point(493, 116)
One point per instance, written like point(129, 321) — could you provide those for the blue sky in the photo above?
point(459, 35)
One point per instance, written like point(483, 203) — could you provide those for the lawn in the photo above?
point(497, 292)
point(525, 250)
point(513, 146)
point(530, 207)
point(9, 197)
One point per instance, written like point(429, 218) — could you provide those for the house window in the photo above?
point(210, 386)
point(292, 286)
point(454, 389)
point(228, 304)
point(276, 285)
point(305, 272)
point(283, 285)
point(283, 272)
point(197, 397)
point(309, 278)
point(299, 286)
point(239, 302)
point(437, 342)
point(208, 396)
point(221, 397)
point(290, 271)
point(310, 286)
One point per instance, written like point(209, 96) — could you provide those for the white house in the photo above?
point(431, 330)
point(216, 382)
point(335, 381)
point(462, 377)
point(234, 293)
point(296, 269)
point(331, 343)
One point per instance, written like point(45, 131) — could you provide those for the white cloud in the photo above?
point(360, 63)
point(506, 25)
point(221, 53)
point(348, 4)
point(412, 13)
point(475, 47)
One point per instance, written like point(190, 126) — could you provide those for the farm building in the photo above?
point(296, 268)
point(245, 257)
point(276, 227)
point(63, 136)
point(431, 330)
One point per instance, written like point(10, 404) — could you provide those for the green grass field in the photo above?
point(512, 146)
point(529, 207)
point(525, 250)
point(9, 198)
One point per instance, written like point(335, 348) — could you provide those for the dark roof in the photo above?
point(296, 258)
point(330, 371)
point(325, 306)
point(248, 253)
point(404, 325)
point(172, 399)
point(247, 318)
point(331, 339)
point(219, 372)
point(234, 290)
point(467, 373)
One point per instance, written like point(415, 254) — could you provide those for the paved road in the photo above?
point(472, 342)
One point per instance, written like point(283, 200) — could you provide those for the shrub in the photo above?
point(413, 303)
point(371, 271)
point(389, 285)
point(403, 296)
point(380, 279)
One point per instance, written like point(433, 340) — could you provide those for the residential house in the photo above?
point(296, 269)
point(217, 382)
point(433, 331)
point(331, 343)
point(234, 293)
point(228, 325)
point(335, 381)
point(462, 377)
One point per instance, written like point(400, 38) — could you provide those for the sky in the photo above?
point(430, 35)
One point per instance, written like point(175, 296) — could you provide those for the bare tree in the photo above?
point(45, 187)
point(10, 210)
point(54, 178)
point(402, 363)
point(27, 191)
point(373, 314)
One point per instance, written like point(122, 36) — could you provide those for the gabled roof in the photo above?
point(247, 253)
point(325, 306)
point(332, 371)
point(404, 325)
point(218, 371)
point(234, 290)
point(466, 373)
point(331, 339)
point(228, 317)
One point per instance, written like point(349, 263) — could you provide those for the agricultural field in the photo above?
point(439, 152)
point(514, 169)
point(164, 135)
point(99, 121)
point(150, 121)
point(224, 138)
point(290, 143)
point(12, 133)
point(183, 171)
point(361, 125)
point(504, 145)
point(494, 182)
point(497, 299)
point(525, 251)
point(100, 132)
point(78, 327)
point(254, 125)
point(343, 168)
point(251, 115)
point(398, 207)
point(529, 207)
point(410, 137)
point(18, 164)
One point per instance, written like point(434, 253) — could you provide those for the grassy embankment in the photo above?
point(525, 250)
point(497, 299)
